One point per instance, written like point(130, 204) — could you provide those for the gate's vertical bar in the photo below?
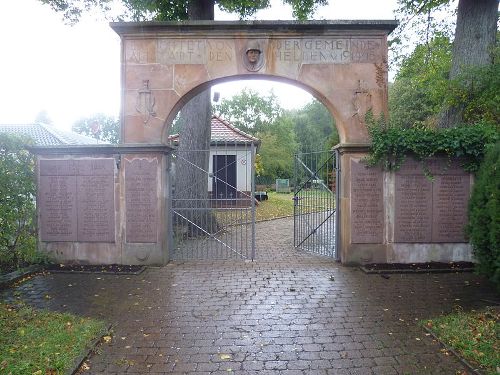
point(295, 184)
point(337, 203)
point(169, 209)
point(252, 196)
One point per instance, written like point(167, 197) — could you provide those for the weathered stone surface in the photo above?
point(353, 56)
point(141, 200)
point(96, 208)
point(77, 200)
point(450, 200)
point(367, 221)
point(57, 200)
point(413, 209)
point(431, 211)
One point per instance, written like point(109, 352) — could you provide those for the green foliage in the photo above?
point(391, 144)
point(249, 111)
point(281, 132)
point(474, 335)
point(484, 216)
point(476, 90)
point(259, 167)
point(421, 85)
point(100, 127)
point(420, 22)
point(170, 10)
point(278, 144)
point(17, 203)
point(314, 127)
point(43, 342)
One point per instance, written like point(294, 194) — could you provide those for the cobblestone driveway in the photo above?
point(286, 313)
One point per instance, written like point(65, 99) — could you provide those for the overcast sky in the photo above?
point(74, 71)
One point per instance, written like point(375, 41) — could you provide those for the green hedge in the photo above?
point(484, 216)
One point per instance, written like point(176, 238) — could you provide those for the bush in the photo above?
point(17, 203)
point(484, 216)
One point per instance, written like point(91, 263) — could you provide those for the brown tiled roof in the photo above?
point(47, 135)
point(223, 132)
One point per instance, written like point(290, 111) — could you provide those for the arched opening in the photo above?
point(281, 167)
point(170, 118)
point(343, 64)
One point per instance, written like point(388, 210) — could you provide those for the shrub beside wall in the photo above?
point(17, 203)
point(484, 216)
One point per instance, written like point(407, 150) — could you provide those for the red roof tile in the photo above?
point(222, 132)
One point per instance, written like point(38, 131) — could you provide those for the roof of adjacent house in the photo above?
point(223, 132)
point(47, 135)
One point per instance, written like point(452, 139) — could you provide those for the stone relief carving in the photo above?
point(254, 57)
point(145, 102)
point(361, 100)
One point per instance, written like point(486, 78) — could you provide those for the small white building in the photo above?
point(230, 163)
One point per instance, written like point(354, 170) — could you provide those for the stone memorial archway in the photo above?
point(110, 204)
point(342, 63)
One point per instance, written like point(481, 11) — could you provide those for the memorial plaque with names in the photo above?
point(77, 200)
point(141, 200)
point(57, 196)
point(450, 201)
point(367, 219)
point(96, 209)
point(413, 209)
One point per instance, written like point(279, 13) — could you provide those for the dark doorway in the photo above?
point(224, 177)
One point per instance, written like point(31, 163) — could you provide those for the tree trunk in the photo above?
point(475, 35)
point(191, 179)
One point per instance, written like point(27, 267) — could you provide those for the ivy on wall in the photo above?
point(392, 144)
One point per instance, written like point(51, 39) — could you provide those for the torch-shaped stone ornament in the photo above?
point(145, 102)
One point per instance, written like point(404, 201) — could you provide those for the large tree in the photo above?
point(421, 85)
point(474, 38)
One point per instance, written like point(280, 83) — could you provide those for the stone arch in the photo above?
point(342, 63)
point(334, 112)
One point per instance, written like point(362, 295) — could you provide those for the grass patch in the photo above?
point(42, 342)
point(473, 335)
point(277, 205)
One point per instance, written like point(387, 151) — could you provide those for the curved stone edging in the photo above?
point(78, 362)
point(455, 353)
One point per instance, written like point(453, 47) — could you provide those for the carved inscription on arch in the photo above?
point(299, 50)
point(328, 50)
point(194, 51)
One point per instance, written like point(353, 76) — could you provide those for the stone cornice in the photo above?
point(272, 28)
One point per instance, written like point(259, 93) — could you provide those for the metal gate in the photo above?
point(314, 202)
point(213, 207)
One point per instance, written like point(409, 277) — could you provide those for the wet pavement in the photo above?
point(288, 312)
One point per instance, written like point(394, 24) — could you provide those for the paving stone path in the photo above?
point(285, 313)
